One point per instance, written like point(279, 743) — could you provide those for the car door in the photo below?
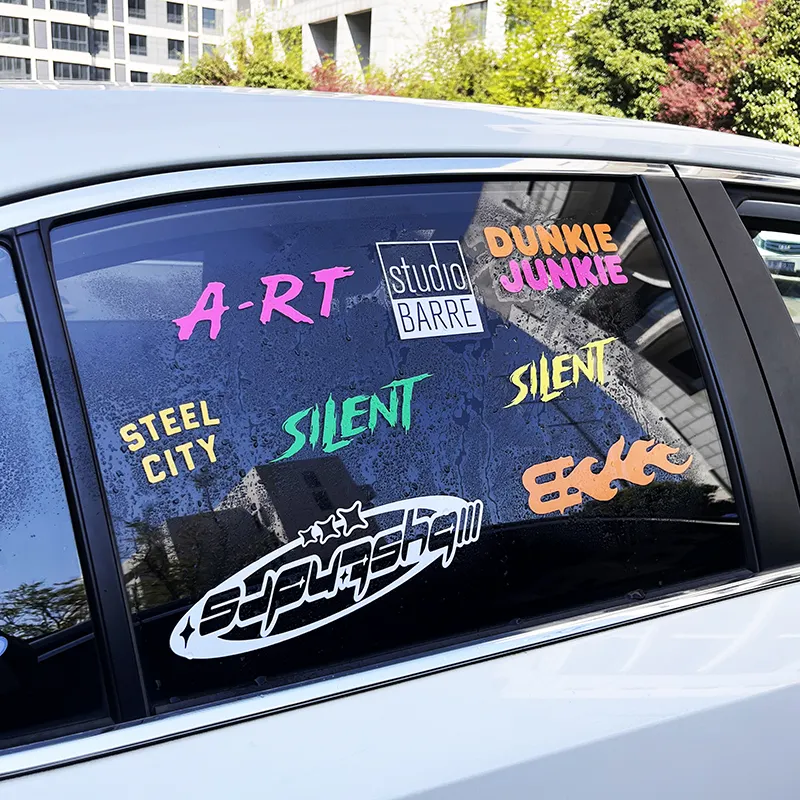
point(404, 478)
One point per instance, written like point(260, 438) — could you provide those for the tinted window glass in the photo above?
point(49, 674)
point(337, 424)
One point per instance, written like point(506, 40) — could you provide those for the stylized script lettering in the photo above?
point(548, 379)
point(566, 489)
point(355, 556)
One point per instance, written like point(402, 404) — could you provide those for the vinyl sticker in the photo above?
point(277, 298)
point(557, 269)
point(570, 487)
point(430, 288)
point(335, 425)
point(160, 425)
point(305, 585)
point(550, 378)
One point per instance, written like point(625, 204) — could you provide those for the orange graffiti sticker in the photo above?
point(568, 488)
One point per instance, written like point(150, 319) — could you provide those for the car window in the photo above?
point(341, 425)
point(49, 674)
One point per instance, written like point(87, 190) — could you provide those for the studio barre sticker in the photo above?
point(297, 588)
point(276, 299)
point(569, 487)
point(430, 289)
point(548, 379)
point(168, 422)
point(569, 253)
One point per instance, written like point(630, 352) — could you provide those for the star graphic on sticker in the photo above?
point(186, 633)
point(308, 535)
point(352, 519)
point(326, 529)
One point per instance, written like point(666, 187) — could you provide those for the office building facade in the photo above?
point(106, 40)
point(359, 34)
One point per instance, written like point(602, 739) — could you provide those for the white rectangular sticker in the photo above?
point(430, 288)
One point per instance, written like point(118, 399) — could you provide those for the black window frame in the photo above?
point(140, 46)
point(174, 13)
point(741, 404)
point(175, 53)
point(730, 209)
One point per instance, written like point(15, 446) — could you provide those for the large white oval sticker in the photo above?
point(329, 570)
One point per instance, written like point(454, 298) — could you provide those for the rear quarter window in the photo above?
point(340, 425)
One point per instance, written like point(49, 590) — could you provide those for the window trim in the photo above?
point(761, 308)
point(165, 186)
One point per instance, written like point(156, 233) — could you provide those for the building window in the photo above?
point(79, 72)
point(138, 77)
point(70, 37)
point(70, 72)
point(209, 19)
point(472, 18)
point(209, 49)
point(601, 475)
point(14, 31)
point(137, 9)
point(14, 69)
point(175, 13)
point(324, 36)
point(78, 6)
point(48, 656)
point(99, 41)
point(15, 2)
point(137, 44)
point(175, 49)
point(97, 7)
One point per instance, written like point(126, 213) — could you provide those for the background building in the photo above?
point(361, 33)
point(106, 40)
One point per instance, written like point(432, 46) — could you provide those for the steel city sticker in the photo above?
point(429, 288)
point(582, 480)
point(171, 422)
point(586, 242)
point(274, 300)
point(293, 590)
point(565, 370)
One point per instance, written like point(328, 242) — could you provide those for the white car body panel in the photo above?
point(126, 131)
point(697, 704)
point(662, 708)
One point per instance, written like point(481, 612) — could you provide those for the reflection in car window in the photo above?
point(339, 425)
point(781, 254)
point(49, 674)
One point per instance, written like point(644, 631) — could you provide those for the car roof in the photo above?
point(54, 136)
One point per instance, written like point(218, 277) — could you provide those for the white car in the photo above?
point(372, 448)
point(780, 251)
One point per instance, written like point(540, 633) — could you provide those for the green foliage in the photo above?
point(254, 64)
point(35, 609)
point(210, 70)
point(620, 51)
point(451, 65)
point(531, 72)
point(768, 87)
point(292, 43)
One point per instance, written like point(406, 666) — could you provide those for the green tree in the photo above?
point(768, 87)
point(452, 65)
point(35, 609)
point(621, 51)
point(254, 63)
point(532, 69)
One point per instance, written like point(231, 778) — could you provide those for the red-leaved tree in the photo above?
point(698, 88)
